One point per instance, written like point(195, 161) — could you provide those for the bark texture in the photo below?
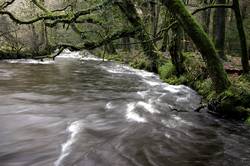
point(219, 29)
point(243, 41)
point(128, 9)
point(202, 42)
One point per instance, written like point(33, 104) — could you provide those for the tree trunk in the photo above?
point(206, 17)
point(219, 29)
point(34, 40)
point(110, 48)
point(175, 49)
point(202, 42)
point(243, 41)
point(44, 35)
point(129, 10)
point(155, 11)
point(165, 40)
point(126, 44)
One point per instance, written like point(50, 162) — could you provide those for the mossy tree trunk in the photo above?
point(242, 35)
point(155, 11)
point(219, 29)
point(128, 9)
point(202, 42)
point(165, 40)
point(44, 41)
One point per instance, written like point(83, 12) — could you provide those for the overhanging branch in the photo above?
point(40, 6)
point(6, 4)
point(59, 10)
point(70, 17)
point(92, 45)
point(39, 18)
point(70, 21)
point(212, 6)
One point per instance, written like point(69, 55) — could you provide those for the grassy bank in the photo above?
point(233, 103)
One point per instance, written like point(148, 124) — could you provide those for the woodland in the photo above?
point(204, 44)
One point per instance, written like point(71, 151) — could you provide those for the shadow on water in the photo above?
point(83, 112)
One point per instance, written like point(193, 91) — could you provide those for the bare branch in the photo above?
point(70, 17)
point(39, 18)
point(59, 10)
point(40, 6)
point(70, 21)
point(212, 6)
point(92, 45)
point(6, 4)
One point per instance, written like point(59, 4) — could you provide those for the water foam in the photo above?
point(148, 107)
point(87, 56)
point(124, 69)
point(109, 106)
point(179, 119)
point(118, 69)
point(167, 135)
point(183, 99)
point(73, 129)
point(6, 74)
point(29, 61)
point(68, 54)
point(142, 93)
point(152, 83)
point(172, 88)
point(175, 121)
point(132, 116)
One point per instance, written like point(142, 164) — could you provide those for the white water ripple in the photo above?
point(73, 129)
point(133, 116)
point(148, 107)
point(30, 61)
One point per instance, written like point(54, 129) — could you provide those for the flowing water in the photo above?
point(85, 112)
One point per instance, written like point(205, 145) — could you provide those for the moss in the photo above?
point(233, 103)
point(167, 70)
point(202, 42)
point(248, 121)
point(134, 59)
point(141, 63)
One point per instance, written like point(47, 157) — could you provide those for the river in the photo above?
point(85, 112)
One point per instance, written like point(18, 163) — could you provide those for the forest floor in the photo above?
point(233, 65)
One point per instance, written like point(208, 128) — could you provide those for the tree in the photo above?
point(242, 35)
point(128, 9)
point(219, 29)
point(202, 42)
point(206, 16)
point(175, 49)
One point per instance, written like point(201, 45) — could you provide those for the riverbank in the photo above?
point(231, 104)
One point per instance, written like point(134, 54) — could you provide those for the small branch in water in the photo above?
point(177, 110)
point(200, 107)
